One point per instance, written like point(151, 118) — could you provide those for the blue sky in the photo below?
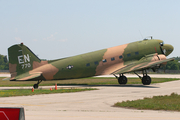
point(55, 29)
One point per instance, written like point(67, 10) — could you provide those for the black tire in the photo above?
point(146, 80)
point(35, 86)
point(122, 80)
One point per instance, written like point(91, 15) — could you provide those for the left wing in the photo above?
point(148, 62)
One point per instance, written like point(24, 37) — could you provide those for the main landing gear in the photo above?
point(37, 85)
point(121, 79)
point(146, 80)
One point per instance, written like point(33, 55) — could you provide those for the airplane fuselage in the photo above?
point(99, 62)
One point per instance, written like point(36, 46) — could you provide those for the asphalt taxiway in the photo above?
point(96, 104)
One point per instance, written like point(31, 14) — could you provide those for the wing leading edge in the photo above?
point(148, 62)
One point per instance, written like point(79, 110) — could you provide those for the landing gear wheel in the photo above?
point(122, 79)
point(35, 86)
point(146, 80)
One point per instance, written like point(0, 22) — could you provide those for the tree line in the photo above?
point(4, 64)
point(173, 65)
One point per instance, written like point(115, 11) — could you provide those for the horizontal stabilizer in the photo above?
point(27, 76)
point(8, 78)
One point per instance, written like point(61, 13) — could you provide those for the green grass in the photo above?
point(167, 102)
point(26, 92)
point(82, 81)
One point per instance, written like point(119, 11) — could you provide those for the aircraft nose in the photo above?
point(167, 49)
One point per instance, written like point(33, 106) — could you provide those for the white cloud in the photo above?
point(16, 30)
point(18, 39)
point(63, 40)
point(51, 37)
point(34, 40)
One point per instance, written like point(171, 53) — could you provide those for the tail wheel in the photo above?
point(35, 86)
point(122, 80)
point(146, 80)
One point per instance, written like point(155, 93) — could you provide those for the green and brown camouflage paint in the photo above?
point(25, 65)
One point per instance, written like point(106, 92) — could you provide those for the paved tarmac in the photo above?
point(94, 105)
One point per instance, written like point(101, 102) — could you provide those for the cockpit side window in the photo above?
point(161, 44)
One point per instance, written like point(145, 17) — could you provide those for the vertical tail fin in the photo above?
point(21, 59)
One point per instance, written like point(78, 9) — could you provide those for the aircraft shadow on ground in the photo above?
point(129, 85)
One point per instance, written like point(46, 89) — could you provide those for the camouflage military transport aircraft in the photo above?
point(24, 65)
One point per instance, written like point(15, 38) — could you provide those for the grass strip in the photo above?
point(167, 102)
point(26, 92)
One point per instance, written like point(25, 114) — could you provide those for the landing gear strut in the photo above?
point(146, 80)
point(121, 79)
point(37, 85)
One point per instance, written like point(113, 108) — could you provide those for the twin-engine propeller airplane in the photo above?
point(24, 65)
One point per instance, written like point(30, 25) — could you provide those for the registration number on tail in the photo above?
point(24, 61)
